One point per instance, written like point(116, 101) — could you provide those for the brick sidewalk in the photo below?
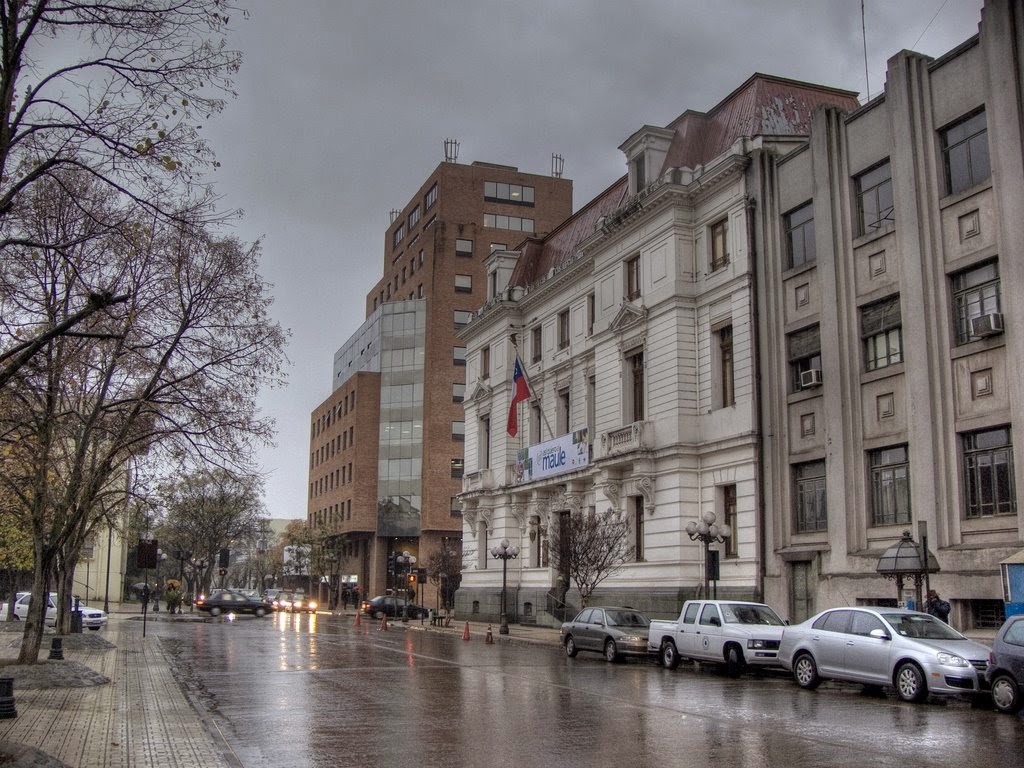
point(140, 719)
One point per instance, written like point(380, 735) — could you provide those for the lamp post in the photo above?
point(504, 552)
point(707, 531)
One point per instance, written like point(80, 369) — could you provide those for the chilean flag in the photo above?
point(520, 391)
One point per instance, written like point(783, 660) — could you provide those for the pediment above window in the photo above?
point(479, 392)
point(628, 316)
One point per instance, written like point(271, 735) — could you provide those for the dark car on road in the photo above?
point(391, 606)
point(230, 601)
point(1005, 673)
point(615, 632)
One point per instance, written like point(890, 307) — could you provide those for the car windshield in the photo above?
point(922, 626)
point(750, 614)
point(626, 619)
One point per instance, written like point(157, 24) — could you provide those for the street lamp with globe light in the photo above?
point(707, 531)
point(504, 552)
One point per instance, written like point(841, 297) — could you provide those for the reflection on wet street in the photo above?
point(300, 690)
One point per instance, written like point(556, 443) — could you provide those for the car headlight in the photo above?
point(312, 606)
point(952, 660)
point(757, 644)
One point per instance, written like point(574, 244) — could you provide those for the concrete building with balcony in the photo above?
point(892, 343)
point(635, 323)
point(386, 446)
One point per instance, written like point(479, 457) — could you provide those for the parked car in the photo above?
point(913, 652)
point(92, 618)
point(1005, 673)
point(615, 632)
point(729, 632)
point(230, 601)
point(391, 606)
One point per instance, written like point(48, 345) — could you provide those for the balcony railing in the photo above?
point(637, 436)
point(481, 480)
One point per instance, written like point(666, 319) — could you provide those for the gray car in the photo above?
point(913, 652)
point(615, 632)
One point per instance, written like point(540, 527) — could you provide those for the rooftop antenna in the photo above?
point(557, 165)
point(864, 35)
point(393, 215)
point(451, 151)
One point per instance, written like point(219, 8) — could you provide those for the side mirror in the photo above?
point(715, 621)
point(880, 634)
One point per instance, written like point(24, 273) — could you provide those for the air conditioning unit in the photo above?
point(987, 325)
point(811, 378)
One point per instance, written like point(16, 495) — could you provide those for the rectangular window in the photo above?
point(485, 442)
point(414, 218)
point(638, 528)
point(639, 173)
point(731, 547)
point(800, 236)
point(564, 406)
point(485, 363)
point(459, 431)
point(988, 473)
point(398, 235)
point(727, 374)
point(633, 278)
point(536, 348)
point(458, 392)
point(517, 194)
point(459, 356)
point(514, 223)
point(430, 198)
point(804, 357)
point(975, 293)
point(461, 318)
point(591, 313)
point(809, 509)
point(873, 190)
point(535, 419)
point(890, 486)
point(463, 283)
point(563, 329)
point(457, 468)
point(635, 391)
point(965, 153)
point(498, 247)
point(463, 247)
point(881, 328)
point(719, 244)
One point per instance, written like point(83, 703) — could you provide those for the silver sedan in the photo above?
point(913, 652)
point(615, 632)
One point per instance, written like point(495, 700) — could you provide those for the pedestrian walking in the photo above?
point(936, 606)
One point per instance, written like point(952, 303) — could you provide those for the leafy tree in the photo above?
point(116, 91)
point(298, 540)
point(590, 547)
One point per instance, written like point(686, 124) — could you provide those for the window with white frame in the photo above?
point(463, 283)
point(463, 247)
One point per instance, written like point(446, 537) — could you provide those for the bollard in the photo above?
point(7, 710)
point(489, 637)
point(57, 648)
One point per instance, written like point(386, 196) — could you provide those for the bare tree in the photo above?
point(116, 91)
point(170, 377)
point(590, 547)
point(444, 570)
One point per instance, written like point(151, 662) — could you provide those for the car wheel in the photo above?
point(805, 672)
point(570, 647)
point(215, 611)
point(611, 651)
point(1005, 694)
point(910, 684)
point(669, 655)
point(734, 662)
point(260, 613)
point(378, 614)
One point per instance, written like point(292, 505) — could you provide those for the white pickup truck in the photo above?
point(727, 632)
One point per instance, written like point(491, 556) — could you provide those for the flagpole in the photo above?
point(533, 392)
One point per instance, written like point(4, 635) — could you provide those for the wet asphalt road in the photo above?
point(298, 691)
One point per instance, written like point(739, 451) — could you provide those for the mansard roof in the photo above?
point(765, 105)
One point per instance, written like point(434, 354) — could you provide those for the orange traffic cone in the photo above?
point(383, 623)
point(359, 621)
point(489, 637)
point(465, 632)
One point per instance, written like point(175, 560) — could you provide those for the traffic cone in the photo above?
point(383, 623)
point(489, 637)
point(465, 632)
point(359, 621)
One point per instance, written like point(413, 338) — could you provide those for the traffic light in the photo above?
point(412, 579)
point(224, 558)
point(421, 575)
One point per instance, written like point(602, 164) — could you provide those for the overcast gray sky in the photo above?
point(344, 106)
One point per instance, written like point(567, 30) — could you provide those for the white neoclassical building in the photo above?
point(634, 323)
